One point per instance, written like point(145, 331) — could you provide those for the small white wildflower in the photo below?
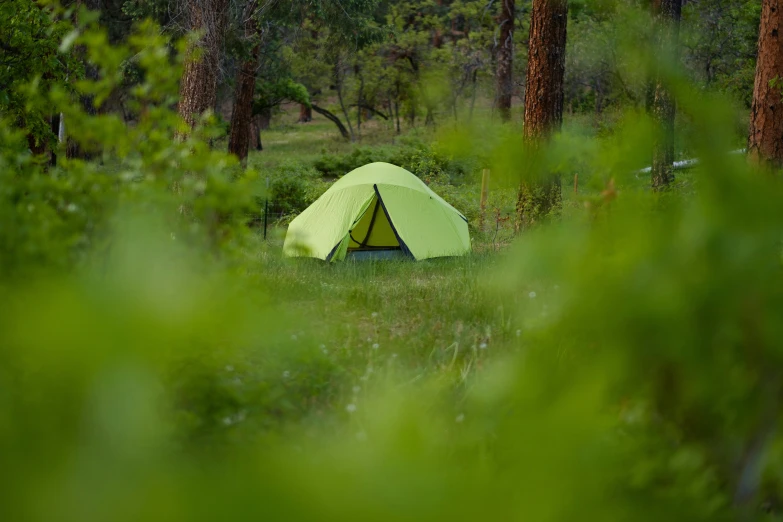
point(322, 347)
point(229, 368)
point(294, 337)
point(357, 389)
point(350, 408)
point(532, 295)
point(173, 237)
point(374, 315)
point(519, 332)
point(483, 346)
point(362, 436)
point(460, 417)
point(394, 356)
point(286, 374)
point(375, 346)
point(369, 339)
point(227, 421)
point(370, 370)
point(71, 207)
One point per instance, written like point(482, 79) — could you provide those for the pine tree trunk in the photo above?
point(255, 133)
point(265, 118)
point(198, 87)
point(338, 76)
point(360, 102)
point(765, 140)
point(504, 76)
point(539, 198)
point(667, 19)
point(242, 114)
point(305, 113)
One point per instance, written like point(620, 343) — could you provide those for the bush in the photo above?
point(287, 195)
point(412, 154)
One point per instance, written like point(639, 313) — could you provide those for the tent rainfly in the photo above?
point(378, 209)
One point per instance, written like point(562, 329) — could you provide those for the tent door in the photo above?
point(372, 231)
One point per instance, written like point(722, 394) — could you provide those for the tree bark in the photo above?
point(504, 76)
point(334, 119)
point(55, 126)
point(242, 114)
point(765, 140)
point(360, 100)
point(305, 113)
point(543, 115)
point(397, 115)
point(667, 20)
point(338, 78)
point(255, 133)
point(198, 87)
point(265, 118)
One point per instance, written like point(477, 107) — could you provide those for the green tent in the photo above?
point(378, 208)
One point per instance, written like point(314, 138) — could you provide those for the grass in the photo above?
point(373, 322)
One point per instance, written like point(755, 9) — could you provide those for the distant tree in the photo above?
point(505, 61)
point(718, 40)
point(543, 104)
point(31, 48)
point(667, 21)
point(198, 87)
point(241, 116)
point(765, 139)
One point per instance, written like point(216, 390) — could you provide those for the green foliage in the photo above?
point(32, 37)
point(720, 41)
point(54, 218)
point(414, 155)
point(272, 94)
point(157, 361)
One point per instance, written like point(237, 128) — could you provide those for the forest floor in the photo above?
point(367, 320)
point(361, 325)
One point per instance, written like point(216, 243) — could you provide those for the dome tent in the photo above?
point(378, 208)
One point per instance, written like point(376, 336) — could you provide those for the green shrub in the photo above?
point(413, 155)
point(287, 195)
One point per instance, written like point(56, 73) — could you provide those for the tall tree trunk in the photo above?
point(338, 78)
point(765, 140)
point(55, 126)
point(504, 76)
point(667, 21)
point(265, 118)
point(543, 104)
point(305, 113)
point(474, 81)
point(360, 102)
point(255, 133)
point(239, 135)
point(198, 87)
point(397, 115)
